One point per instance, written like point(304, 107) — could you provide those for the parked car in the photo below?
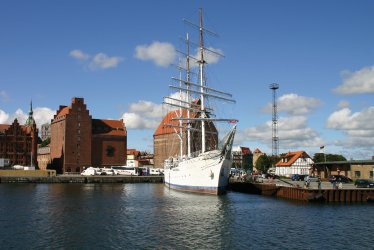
point(311, 178)
point(298, 177)
point(362, 183)
point(339, 178)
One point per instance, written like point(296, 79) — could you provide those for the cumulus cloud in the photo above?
point(78, 54)
point(293, 133)
point(161, 53)
point(358, 126)
point(3, 117)
point(98, 61)
point(345, 119)
point(104, 61)
point(358, 82)
point(146, 108)
point(143, 115)
point(136, 121)
point(41, 115)
point(294, 104)
point(211, 56)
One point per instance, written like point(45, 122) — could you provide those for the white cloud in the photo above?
point(143, 115)
point(294, 104)
point(98, 61)
point(3, 117)
point(209, 57)
point(358, 127)
point(161, 53)
point(103, 61)
point(147, 108)
point(20, 116)
point(41, 115)
point(293, 133)
point(358, 82)
point(136, 121)
point(345, 119)
point(78, 54)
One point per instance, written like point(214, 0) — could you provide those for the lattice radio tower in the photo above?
point(275, 141)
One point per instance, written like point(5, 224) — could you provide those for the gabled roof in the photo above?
point(245, 150)
point(132, 151)
point(62, 112)
point(4, 127)
point(257, 151)
point(108, 127)
point(290, 158)
point(162, 129)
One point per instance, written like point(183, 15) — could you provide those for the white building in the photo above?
point(294, 163)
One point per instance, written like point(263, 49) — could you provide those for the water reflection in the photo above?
point(151, 216)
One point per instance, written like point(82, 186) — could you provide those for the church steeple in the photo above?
point(30, 120)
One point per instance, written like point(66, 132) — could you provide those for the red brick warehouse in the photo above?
point(79, 141)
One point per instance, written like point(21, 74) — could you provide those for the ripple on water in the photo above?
point(150, 216)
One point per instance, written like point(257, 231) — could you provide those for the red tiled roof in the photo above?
point(4, 127)
point(245, 150)
point(291, 157)
point(162, 129)
point(108, 127)
point(62, 112)
point(133, 152)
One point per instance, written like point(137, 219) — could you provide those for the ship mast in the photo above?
point(180, 115)
point(188, 97)
point(201, 65)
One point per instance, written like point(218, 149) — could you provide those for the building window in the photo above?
point(371, 174)
point(110, 151)
point(357, 174)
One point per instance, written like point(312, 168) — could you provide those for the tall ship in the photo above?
point(203, 164)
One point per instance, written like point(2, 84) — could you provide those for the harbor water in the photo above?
point(151, 216)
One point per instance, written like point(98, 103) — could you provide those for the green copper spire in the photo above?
point(30, 120)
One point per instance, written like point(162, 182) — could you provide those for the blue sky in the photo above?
point(117, 55)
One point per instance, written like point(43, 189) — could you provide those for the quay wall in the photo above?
point(82, 179)
point(302, 194)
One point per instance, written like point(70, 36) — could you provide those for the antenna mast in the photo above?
point(275, 139)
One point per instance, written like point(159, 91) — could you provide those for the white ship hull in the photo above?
point(208, 173)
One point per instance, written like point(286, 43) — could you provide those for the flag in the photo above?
point(322, 147)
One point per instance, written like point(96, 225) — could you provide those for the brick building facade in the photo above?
point(18, 143)
point(166, 142)
point(78, 141)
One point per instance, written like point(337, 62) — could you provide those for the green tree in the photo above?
point(320, 157)
point(263, 163)
point(46, 142)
